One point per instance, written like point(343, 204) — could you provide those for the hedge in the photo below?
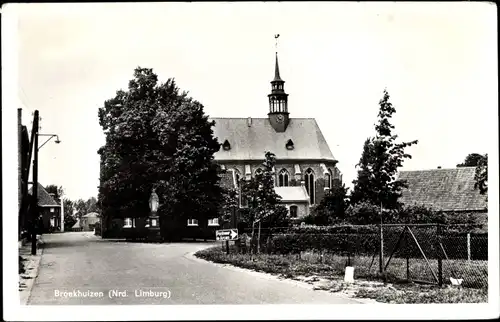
point(365, 240)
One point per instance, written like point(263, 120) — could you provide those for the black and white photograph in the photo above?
point(250, 160)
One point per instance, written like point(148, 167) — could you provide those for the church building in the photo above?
point(305, 166)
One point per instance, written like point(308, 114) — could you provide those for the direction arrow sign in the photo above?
point(226, 234)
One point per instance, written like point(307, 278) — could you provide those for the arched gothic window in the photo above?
point(283, 178)
point(328, 179)
point(309, 176)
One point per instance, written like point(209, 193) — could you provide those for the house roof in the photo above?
point(292, 194)
point(44, 198)
point(77, 224)
point(250, 138)
point(443, 189)
point(91, 215)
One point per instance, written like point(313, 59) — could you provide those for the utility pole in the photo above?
point(34, 207)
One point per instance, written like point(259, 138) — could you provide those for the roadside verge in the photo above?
point(31, 265)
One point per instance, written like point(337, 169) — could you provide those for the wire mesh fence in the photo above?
point(428, 253)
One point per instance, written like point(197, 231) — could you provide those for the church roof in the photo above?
point(250, 138)
point(292, 194)
point(443, 189)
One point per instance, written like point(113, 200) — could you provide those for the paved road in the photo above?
point(79, 263)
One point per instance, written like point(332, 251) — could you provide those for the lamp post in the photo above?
point(154, 225)
point(36, 148)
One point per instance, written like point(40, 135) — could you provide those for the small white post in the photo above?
point(468, 246)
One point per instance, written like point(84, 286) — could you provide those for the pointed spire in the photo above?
point(277, 70)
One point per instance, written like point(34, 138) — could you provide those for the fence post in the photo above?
point(407, 253)
point(440, 257)
point(468, 247)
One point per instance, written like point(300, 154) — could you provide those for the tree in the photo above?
point(157, 137)
point(481, 175)
point(83, 207)
point(263, 201)
point(379, 163)
point(473, 160)
point(229, 204)
point(331, 209)
point(69, 218)
point(55, 191)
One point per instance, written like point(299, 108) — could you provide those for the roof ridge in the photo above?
point(438, 169)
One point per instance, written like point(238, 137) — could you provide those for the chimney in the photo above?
point(249, 121)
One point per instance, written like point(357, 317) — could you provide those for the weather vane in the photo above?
point(276, 41)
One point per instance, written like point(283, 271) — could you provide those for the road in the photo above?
point(79, 268)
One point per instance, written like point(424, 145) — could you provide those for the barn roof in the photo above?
point(443, 189)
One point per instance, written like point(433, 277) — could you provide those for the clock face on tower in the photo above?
point(280, 118)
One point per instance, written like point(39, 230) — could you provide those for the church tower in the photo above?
point(278, 101)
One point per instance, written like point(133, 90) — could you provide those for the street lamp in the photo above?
point(154, 203)
point(57, 141)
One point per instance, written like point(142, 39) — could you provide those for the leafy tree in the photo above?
point(56, 191)
point(230, 204)
point(332, 207)
point(481, 175)
point(379, 163)
point(263, 201)
point(157, 137)
point(69, 217)
point(472, 160)
point(83, 207)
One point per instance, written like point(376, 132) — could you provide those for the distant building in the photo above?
point(304, 159)
point(89, 220)
point(50, 210)
point(447, 190)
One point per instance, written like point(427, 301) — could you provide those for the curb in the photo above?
point(269, 276)
point(25, 295)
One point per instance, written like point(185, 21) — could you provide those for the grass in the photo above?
point(418, 294)
point(331, 267)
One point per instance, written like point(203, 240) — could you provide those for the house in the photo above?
point(302, 154)
point(447, 190)
point(89, 220)
point(50, 210)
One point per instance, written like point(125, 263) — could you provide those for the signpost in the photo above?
point(226, 235)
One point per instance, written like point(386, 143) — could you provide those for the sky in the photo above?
point(438, 62)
